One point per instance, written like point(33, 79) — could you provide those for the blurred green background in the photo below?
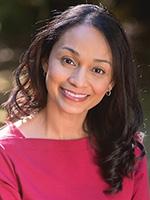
point(17, 23)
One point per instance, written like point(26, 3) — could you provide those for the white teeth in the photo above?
point(75, 95)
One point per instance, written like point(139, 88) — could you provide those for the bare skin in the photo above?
point(79, 73)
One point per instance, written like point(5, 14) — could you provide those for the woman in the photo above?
point(74, 114)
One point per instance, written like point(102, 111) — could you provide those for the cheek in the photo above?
point(55, 72)
point(100, 88)
point(53, 68)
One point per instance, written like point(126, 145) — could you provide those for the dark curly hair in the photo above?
point(113, 123)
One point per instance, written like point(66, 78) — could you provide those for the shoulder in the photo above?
point(6, 133)
point(139, 148)
point(5, 138)
point(140, 153)
point(11, 144)
point(141, 182)
point(9, 134)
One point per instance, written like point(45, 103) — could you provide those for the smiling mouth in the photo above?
point(74, 96)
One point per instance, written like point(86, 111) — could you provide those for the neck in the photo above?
point(62, 125)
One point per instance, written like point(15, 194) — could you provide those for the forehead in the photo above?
point(85, 39)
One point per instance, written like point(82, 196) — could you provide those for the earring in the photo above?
point(108, 93)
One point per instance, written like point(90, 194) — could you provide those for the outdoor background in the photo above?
point(17, 23)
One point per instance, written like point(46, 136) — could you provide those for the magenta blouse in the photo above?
point(48, 169)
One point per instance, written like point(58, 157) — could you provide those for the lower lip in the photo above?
point(76, 99)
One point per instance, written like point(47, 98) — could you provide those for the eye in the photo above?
point(69, 61)
point(98, 70)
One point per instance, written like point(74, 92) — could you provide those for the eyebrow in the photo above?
point(76, 53)
point(102, 60)
point(72, 50)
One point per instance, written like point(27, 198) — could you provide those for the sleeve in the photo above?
point(141, 183)
point(9, 189)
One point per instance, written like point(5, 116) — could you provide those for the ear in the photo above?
point(111, 85)
point(45, 65)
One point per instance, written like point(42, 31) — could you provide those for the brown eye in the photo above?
point(69, 61)
point(98, 70)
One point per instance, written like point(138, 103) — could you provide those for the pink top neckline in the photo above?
point(18, 133)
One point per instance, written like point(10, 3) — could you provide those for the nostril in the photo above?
point(73, 81)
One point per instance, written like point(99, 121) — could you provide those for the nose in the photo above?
point(78, 77)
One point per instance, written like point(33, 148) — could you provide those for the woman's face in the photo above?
point(79, 70)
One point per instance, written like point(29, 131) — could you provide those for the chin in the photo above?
point(73, 110)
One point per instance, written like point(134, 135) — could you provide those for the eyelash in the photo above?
point(101, 71)
point(66, 59)
point(69, 61)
